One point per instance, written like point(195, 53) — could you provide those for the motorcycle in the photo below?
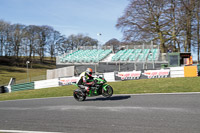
point(100, 88)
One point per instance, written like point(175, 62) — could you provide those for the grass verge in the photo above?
point(165, 85)
point(20, 73)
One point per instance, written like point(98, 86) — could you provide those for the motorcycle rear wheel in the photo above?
point(79, 95)
point(107, 93)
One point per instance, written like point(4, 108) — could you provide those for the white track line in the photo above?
point(20, 131)
point(139, 94)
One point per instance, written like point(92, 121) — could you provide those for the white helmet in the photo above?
point(89, 71)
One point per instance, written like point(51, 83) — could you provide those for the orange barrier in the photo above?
point(191, 60)
point(190, 71)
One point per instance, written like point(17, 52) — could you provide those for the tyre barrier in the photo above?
point(2, 89)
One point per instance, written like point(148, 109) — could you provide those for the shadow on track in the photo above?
point(113, 98)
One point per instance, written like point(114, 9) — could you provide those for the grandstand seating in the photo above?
point(86, 56)
point(135, 55)
point(126, 55)
point(117, 56)
point(153, 55)
point(94, 56)
point(143, 55)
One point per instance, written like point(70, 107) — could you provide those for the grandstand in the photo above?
point(85, 56)
point(105, 60)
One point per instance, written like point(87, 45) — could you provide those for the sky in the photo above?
point(88, 17)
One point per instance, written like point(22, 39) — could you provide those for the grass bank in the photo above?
point(165, 85)
point(8, 71)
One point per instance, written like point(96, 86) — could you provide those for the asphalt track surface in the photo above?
point(152, 113)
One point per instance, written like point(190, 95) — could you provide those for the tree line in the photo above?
point(19, 41)
point(173, 24)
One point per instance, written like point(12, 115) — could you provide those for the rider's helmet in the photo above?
point(89, 71)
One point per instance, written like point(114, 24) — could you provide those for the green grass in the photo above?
point(20, 73)
point(40, 93)
point(9, 68)
point(165, 85)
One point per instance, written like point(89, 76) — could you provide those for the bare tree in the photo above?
point(56, 39)
point(114, 43)
point(31, 36)
point(16, 38)
point(196, 36)
point(73, 41)
point(44, 40)
point(4, 35)
point(146, 20)
point(188, 7)
point(19, 40)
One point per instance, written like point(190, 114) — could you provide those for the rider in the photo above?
point(86, 79)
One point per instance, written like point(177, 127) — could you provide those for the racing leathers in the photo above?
point(85, 81)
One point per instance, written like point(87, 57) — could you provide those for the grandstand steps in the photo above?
point(108, 58)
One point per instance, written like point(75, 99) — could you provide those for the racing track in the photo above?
point(156, 113)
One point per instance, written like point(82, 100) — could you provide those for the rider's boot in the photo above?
point(86, 91)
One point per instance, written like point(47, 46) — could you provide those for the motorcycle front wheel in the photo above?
point(79, 95)
point(108, 92)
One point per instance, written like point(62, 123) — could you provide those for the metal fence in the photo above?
point(31, 79)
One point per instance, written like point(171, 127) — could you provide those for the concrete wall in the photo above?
point(60, 72)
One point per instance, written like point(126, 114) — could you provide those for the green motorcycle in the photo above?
point(100, 88)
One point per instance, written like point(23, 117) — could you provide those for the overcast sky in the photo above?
point(88, 17)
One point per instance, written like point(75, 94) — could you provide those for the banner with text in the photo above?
point(68, 81)
point(156, 73)
point(131, 75)
point(147, 74)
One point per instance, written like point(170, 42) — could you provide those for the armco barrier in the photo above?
point(20, 87)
